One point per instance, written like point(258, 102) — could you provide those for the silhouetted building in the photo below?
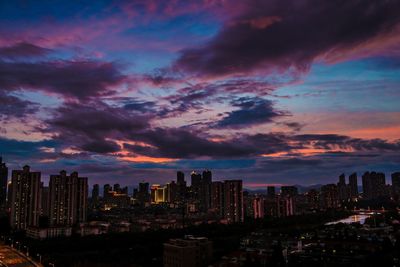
point(374, 185)
point(290, 191)
point(190, 251)
point(95, 195)
point(68, 199)
point(353, 185)
point(271, 191)
point(342, 188)
point(106, 191)
point(329, 196)
point(143, 194)
point(182, 187)
point(25, 198)
point(206, 181)
point(3, 184)
point(117, 188)
point(396, 183)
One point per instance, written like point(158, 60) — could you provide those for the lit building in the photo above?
point(172, 192)
point(233, 200)
point(45, 201)
point(217, 198)
point(258, 207)
point(285, 206)
point(158, 194)
point(3, 184)
point(25, 198)
point(190, 251)
point(68, 199)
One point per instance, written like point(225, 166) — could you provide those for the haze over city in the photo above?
point(269, 92)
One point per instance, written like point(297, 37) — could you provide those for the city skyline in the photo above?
point(268, 92)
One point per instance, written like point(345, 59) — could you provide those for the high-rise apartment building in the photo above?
point(374, 185)
point(396, 183)
point(329, 196)
point(68, 199)
point(353, 185)
point(233, 198)
point(258, 207)
point(25, 198)
point(217, 198)
point(3, 184)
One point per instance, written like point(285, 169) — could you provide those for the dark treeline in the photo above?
point(145, 248)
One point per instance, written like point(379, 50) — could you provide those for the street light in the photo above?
point(40, 258)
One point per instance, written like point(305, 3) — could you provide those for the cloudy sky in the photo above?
point(268, 91)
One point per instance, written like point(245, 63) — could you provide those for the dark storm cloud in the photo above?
point(95, 128)
point(281, 34)
point(89, 126)
point(72, 79)
point(23, 50)
point(11, 106)
point(252, 111)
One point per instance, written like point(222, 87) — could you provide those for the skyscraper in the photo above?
point(342, 188)
point(95, 195)
point(396, 183)
point(233, 196)
point(25, 198)
point(353, 184)
point(3, 184)
point(374, 185)
point(329, 196)
point(143, 194)
point(181, 184)
point(217, 198)
point(206, 190)
point(68, 199)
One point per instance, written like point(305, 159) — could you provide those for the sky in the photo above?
point(267, 91)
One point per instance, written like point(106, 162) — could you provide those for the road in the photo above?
point(10, 258)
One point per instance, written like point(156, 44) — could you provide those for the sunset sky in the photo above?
point(268, 91)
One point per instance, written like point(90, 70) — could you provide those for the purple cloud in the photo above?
point(72, 79)
point(279, 35)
